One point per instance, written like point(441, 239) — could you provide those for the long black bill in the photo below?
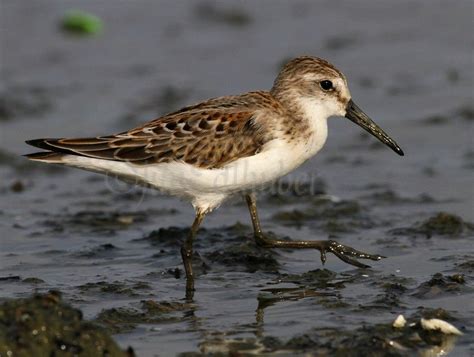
point(355, 114)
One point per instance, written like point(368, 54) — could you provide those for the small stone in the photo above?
point(458, 278)
point(125, 219)
point(399, 322)
point(17, 186)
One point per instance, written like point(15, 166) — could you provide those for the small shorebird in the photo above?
point(228, 145)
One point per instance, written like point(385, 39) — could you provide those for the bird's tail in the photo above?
point(47, 156)
point(53, 155)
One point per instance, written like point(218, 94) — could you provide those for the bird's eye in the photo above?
point(326, 85)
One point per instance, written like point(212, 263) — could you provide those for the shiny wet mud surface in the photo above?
point(112, 250)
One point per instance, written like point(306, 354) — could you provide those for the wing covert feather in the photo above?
point(208, 138)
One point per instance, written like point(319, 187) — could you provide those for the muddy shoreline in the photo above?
point(107, 253)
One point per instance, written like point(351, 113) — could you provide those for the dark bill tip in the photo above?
point(356, 115)
point(399, 151)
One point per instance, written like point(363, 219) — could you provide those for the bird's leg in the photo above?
point(343, 252)
point(187, 253)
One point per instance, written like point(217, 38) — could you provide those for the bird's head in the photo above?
point(316, 88)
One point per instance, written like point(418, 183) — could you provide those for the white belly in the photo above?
point(205, 188)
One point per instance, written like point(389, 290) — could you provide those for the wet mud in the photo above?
point(102, 258)
point(43, 325)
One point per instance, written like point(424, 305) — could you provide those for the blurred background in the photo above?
point(118, 64)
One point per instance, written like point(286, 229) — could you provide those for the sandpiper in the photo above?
point(229, 145)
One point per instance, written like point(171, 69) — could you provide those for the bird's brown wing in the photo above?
point(204, 137)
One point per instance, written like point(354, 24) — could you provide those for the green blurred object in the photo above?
point(82, 23)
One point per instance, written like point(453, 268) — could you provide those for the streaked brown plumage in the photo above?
point(207, 135)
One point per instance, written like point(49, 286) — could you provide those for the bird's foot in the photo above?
point(346, 253)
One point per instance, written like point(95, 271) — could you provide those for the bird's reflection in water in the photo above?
point(411, 339)
point(271, 296)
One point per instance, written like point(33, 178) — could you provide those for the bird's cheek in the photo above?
point(338, 109)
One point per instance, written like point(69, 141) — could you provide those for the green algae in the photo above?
point(81, 23)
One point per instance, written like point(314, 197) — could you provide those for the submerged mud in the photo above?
point(124, 319)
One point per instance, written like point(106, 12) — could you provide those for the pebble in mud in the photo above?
point(17, 186)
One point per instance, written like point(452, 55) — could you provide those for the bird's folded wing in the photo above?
point(206, 138)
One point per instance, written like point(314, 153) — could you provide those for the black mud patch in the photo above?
point(95, 221)
point(467, 266)
point(285, 191)
point(388, 197)
point(338, 43)
point(442, 224)
point(247, 255)
point(106, 250)
point(468, 159)
point(122, 319)
point(231, 247)
point(21, 102)
point(117, 288)
point(392, 291)
point(171, 237)
point(33, 280)
point(318, 278)
point(157, 101)
point(333, 217)
point(440, 285)
point(211, 12)
point(465, 113)
point(43, 325)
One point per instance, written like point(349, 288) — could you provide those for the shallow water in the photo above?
point(91, 238)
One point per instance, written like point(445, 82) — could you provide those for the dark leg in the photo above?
point(345, 253)
point(187, 253)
